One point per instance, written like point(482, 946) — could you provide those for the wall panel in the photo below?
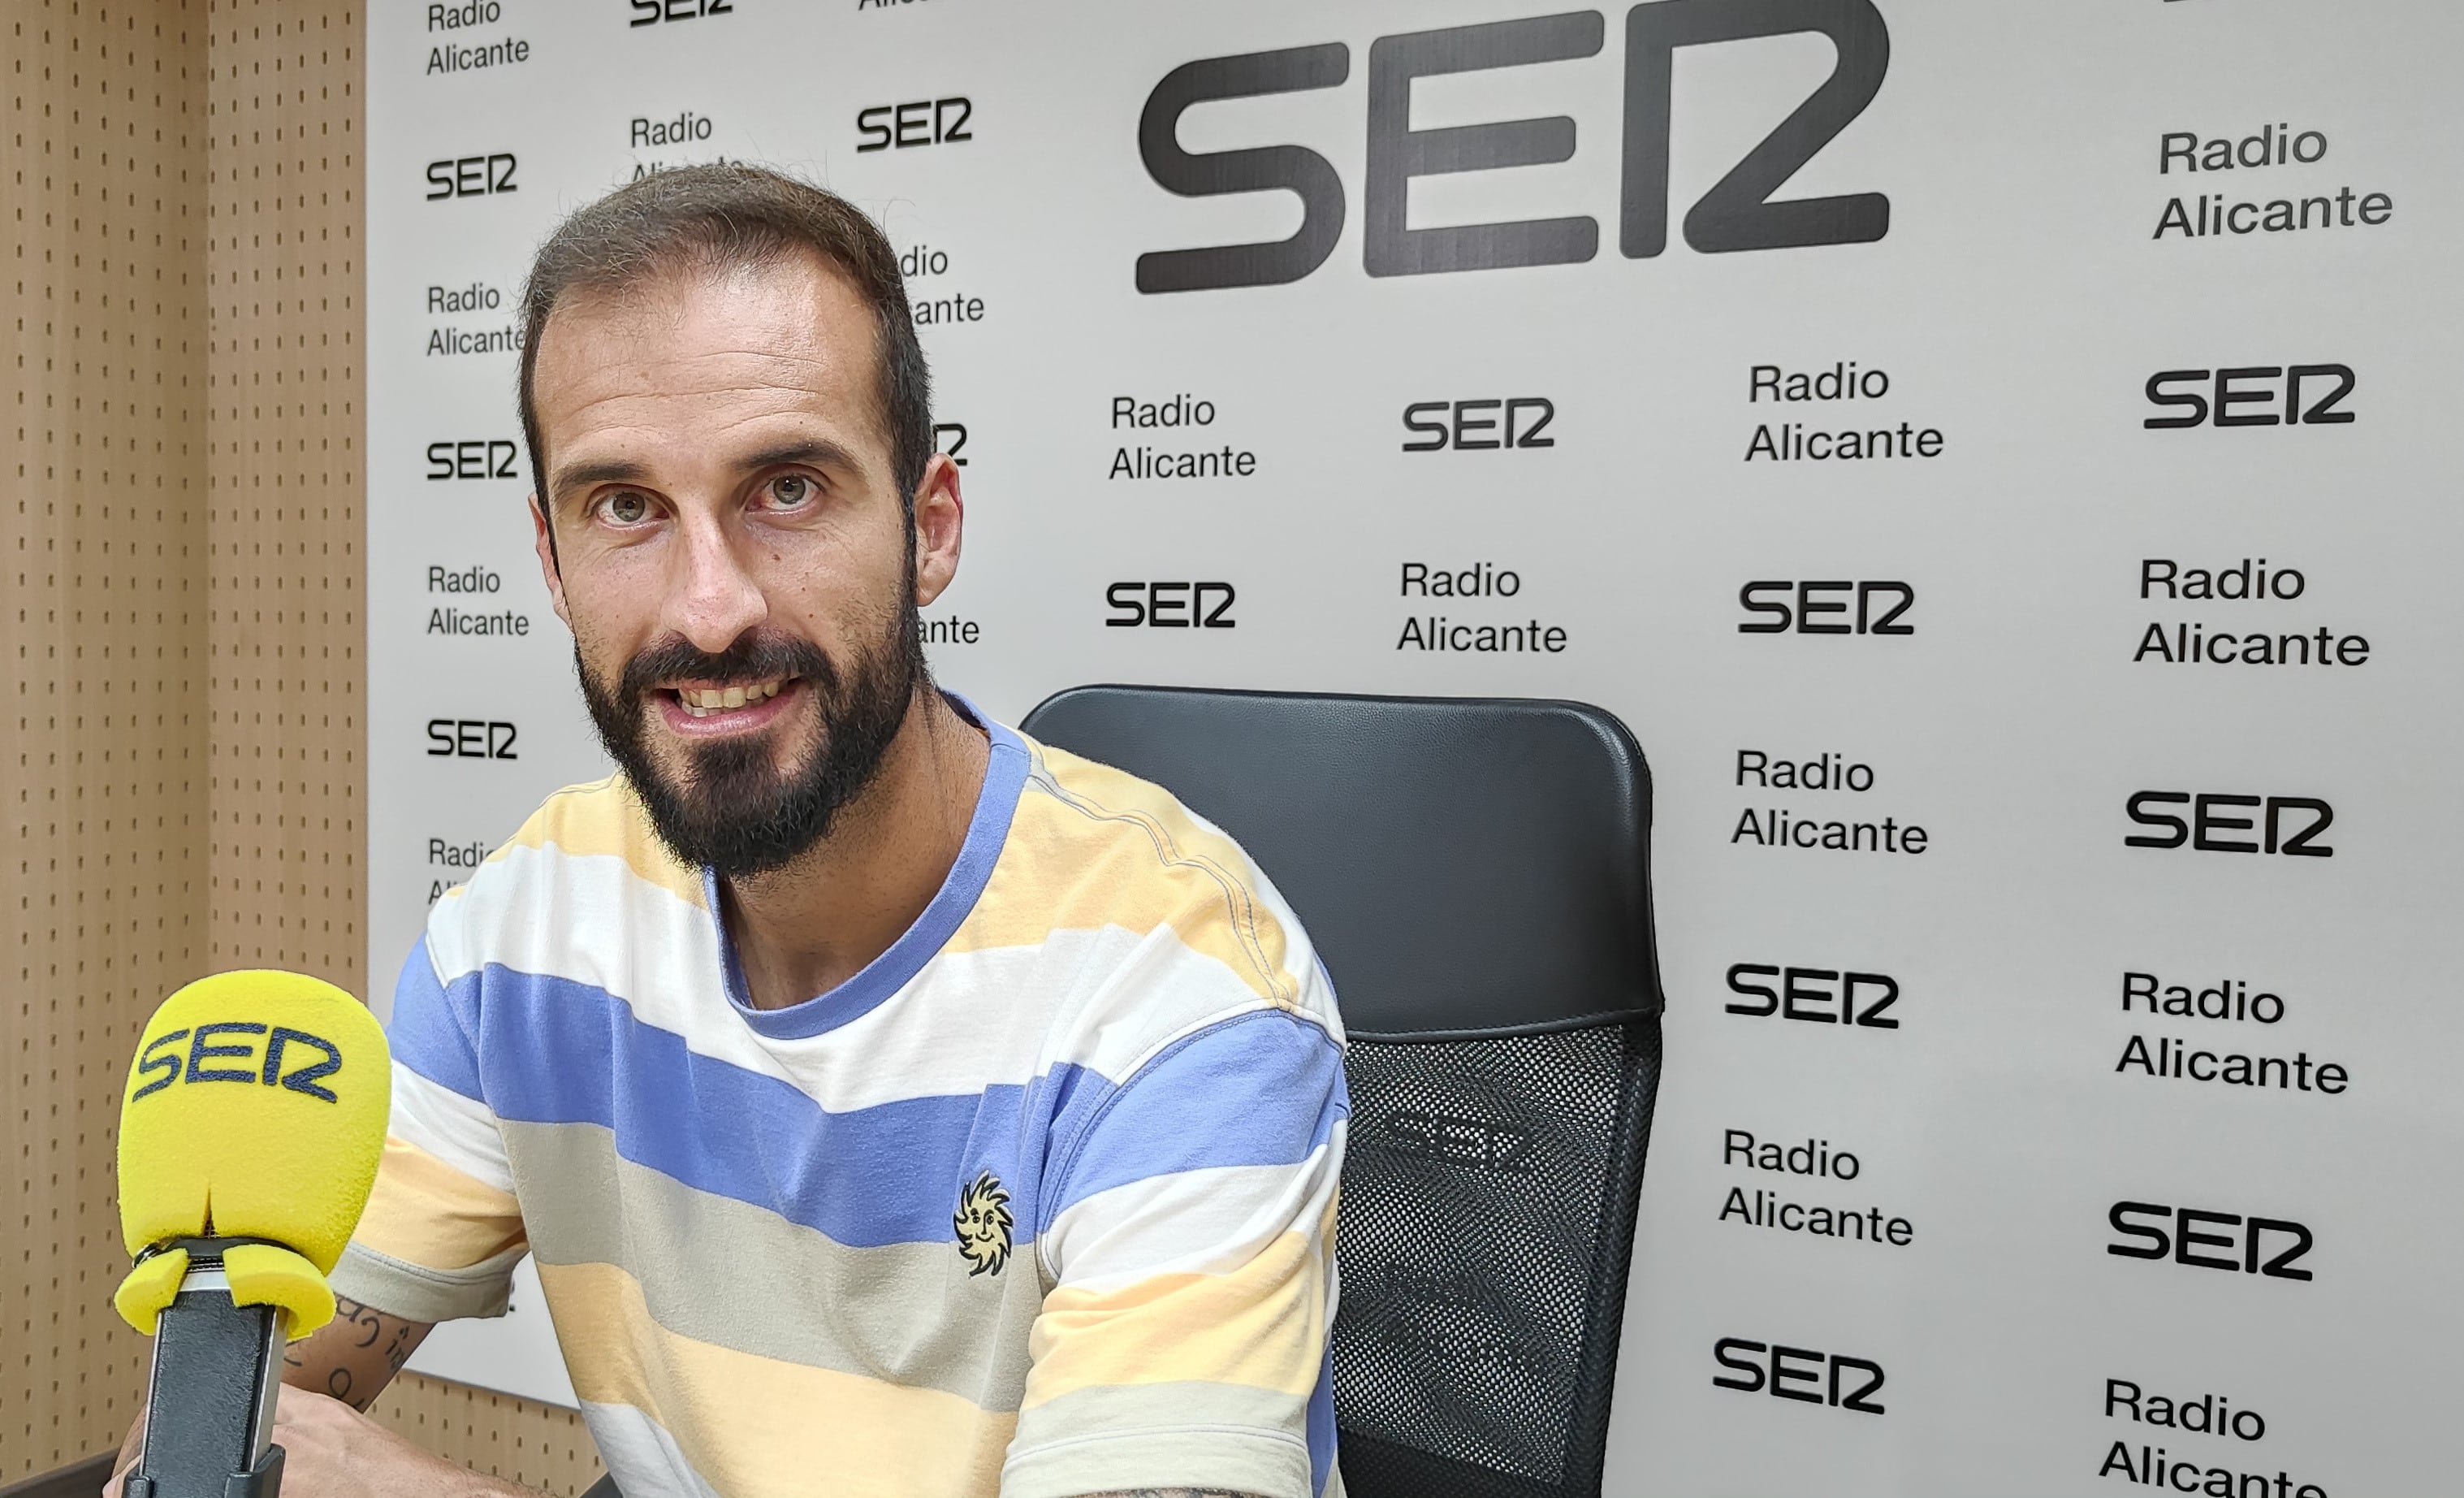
point(285, 631)
point(287, 739)
point(102, 529)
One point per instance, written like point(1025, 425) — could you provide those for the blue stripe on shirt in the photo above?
point(1263, 1089)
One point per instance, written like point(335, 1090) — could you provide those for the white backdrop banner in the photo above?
point(1989, 453)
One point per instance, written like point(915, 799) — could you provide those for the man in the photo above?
point(892, 1104)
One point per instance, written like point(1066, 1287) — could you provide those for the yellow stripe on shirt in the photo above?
point(787, 1428)
point(425, 1212)
point(1262, 1325)
point(1091, 846)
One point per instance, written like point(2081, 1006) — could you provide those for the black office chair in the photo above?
point(1475, 876)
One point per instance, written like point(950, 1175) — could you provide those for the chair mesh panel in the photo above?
point(1483, 1239)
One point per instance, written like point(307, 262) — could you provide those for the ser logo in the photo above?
point(1799, 1373)
point(2288, 825)
point(1474, 1143)
point(281, 1044)
point(1512, 420)
point(470, 738)
point(1737, 214)
point(2263, 1246)
point(473, 458)
point(1808, 994)
point(922, 121)
point(650, 12)
point(470, 176)
point(2312, 395)
point(1169, 606)
point(1878, 607)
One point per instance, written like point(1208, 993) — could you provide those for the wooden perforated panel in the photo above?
point(534, 1444)
point(182, 745)
point(286, 632)
point(102, 535)
point(285, 636)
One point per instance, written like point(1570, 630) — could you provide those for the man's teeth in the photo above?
point(702, 702)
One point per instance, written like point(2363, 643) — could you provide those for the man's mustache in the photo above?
point(753, 658)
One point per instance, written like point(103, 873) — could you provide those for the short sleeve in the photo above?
point(1190, 1242)
point(442, 1232)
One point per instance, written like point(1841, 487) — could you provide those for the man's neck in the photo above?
point(803, 930)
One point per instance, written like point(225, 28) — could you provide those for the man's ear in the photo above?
point(543, 542)
point(941, 519)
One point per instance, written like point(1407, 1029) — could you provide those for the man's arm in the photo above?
point(353, 1357)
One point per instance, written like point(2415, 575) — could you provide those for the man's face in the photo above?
point(731, 549)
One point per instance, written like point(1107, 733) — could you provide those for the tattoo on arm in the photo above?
point(355, 1356)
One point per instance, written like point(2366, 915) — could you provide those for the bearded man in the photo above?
point(892, 1106)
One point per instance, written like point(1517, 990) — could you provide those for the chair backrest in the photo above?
point(1474, 873)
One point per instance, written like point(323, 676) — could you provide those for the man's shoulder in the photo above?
point(1094, 850)
point(588, 863)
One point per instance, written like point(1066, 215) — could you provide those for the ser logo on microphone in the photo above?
point(202, 1056)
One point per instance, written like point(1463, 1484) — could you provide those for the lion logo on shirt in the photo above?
point(983, 1222)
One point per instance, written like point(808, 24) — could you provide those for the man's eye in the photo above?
point(625, 508)
point(790, 490)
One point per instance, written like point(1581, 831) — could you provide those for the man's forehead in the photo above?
point(778, 329)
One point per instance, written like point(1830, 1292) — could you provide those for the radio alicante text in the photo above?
point(456, 855)
point(2231, 998)
point(2191, 643)
point(2172, 1060)
point(471, 13)
point(1794, 442)
point(1822, 772)
point(1776, 826)
point(449, 58)
point(1764, 1208)
point(2206, 216)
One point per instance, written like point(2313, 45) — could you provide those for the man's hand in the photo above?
point(351, 1358)
point(331, 1450)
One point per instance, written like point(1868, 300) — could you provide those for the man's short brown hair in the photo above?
point(701, 219)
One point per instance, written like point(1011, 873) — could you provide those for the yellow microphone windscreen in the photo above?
point(255, 1109)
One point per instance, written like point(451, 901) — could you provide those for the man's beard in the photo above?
point(732, 809)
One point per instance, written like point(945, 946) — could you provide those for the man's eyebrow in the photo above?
point(815, 452)
point(607, 470)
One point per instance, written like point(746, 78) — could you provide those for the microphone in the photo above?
point(249, 1137)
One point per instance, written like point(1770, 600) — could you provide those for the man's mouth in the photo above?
point(703, 701)
point(738, 707)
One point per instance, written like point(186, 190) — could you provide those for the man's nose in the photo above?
point(716, 599)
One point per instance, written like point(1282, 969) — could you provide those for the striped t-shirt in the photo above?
point(1039, 1203)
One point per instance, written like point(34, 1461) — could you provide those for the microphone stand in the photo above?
point(209, 1417)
